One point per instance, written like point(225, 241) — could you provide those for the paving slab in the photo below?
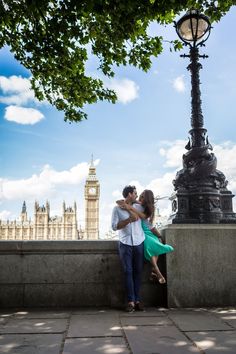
point(191, 320)
point(114, 345)
point(215, 342)
point(158, 340)
point(4, 317)
point(4, 314)
point(42, 314)
point(30, 343)
point(227, 315)
point(146, 321)
point(3, 321)
point(87, 311)
point(147, 313)
point(28, 325)
point(94, 325)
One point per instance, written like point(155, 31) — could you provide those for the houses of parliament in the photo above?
point(44, 227)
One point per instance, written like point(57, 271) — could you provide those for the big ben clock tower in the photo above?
point(92, 193)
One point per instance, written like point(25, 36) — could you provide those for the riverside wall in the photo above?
point(68, 274)
point(201, 272)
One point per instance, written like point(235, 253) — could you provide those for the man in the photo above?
point(131, 237)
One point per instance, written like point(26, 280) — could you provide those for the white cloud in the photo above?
point(162, 186)
point(105, 217)
point(126, 90)
point(173, 153)
point(19, 99)
point(23, 115)
point(117, 194)
point(96, 162)
point(179, 84)
point(5, 215)
point(43, 185)
point(14, 84)
point(16, 90)
point(225, 154)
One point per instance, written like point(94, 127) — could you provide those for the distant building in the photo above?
point(45, 227)
point(160, 220)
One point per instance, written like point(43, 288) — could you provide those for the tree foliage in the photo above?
point(53, 40)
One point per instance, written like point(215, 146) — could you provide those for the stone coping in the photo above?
point(200, 226)
point(80, 246)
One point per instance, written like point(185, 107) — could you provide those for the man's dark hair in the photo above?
point(127, 190)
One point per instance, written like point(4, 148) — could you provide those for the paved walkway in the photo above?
point(155, 331)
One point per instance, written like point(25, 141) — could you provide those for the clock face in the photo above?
point(92, 190)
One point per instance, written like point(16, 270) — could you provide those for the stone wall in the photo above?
point(67, 274)
point(202, 270)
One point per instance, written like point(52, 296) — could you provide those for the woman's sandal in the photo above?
point(160, 279)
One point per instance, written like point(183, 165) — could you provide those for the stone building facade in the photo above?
point(43, 227)
point(65, 227)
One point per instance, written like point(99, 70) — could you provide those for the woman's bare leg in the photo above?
point(156, 271)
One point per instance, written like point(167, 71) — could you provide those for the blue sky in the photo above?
point(139, 140)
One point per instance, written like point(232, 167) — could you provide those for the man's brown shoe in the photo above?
point(139, 306)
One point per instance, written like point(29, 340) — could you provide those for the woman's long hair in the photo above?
point(148, 204)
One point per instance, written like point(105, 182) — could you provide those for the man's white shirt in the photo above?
point(132, 234)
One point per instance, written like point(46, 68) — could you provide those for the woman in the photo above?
point(152, 245)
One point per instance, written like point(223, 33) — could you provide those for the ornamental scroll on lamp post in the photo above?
point(201, 190)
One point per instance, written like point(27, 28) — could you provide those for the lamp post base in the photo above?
point(203, 205)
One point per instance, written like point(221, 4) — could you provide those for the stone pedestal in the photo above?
point(201, 271)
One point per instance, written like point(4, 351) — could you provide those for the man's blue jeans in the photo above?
point(132, 262)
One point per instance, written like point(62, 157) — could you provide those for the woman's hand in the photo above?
point(157, 233)
point(122, 204)
point(133, 217)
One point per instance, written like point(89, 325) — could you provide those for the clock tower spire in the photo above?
point(92, 193)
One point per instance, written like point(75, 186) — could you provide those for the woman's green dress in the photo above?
point(152, 245)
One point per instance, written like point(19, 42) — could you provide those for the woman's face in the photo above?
point(142, 197)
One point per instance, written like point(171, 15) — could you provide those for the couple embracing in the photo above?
point(138, 239)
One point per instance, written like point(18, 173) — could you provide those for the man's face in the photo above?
point(133, 196)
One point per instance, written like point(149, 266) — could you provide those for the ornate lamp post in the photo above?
point(201, 189)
